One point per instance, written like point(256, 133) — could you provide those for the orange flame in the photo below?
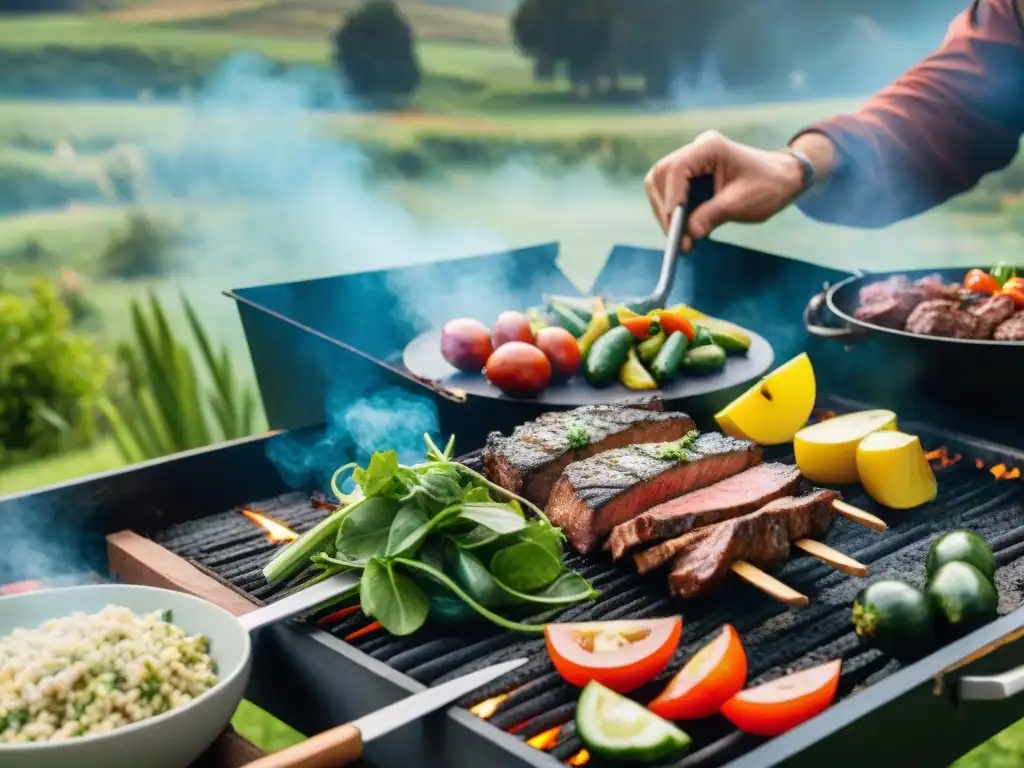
point(486, 708)
point(373, 627)
point(979, 463)
point(547, 740)
point(1000, 472)
point(276, 532)
point(580, 758)
point(942, 457)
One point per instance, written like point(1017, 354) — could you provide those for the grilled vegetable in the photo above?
point(730, 337)
point(666, 364)
point(621, 655)
point(894, 470)
point(713, 676)
point(707, 359)
point(826, 452)
point(895, 617)
point(606, 356)
point(1014, 288)
point(633, 375)
point(963, 598)
point(772, 411)
point(701, 337)
point(980, 281)
point(598, 326)
point(650, 348)
point(783, 704)
point(1002, 272)
point(641, 327)
point(466, 344)
point(511, 326)
point(961, 546)
point(616, 728)
point(561, 349)
point(672, 321)
point(518, 369)
point(569, 320)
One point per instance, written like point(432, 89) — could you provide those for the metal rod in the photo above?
point(301, 601)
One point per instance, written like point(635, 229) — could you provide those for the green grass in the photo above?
point(68, 466)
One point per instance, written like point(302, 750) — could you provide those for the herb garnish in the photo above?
point(577, 435)
point(681, 449)
point(426, 535)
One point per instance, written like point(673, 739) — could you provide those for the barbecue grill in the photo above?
point(207, 521)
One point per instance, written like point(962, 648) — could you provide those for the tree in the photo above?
point(375, 50)
point(572, 34)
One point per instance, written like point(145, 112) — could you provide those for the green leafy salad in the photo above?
point(436, 537)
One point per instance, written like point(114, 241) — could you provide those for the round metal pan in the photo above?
point(422, 357)
point(955, 369)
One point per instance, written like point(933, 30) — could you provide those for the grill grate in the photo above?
point(777, 640)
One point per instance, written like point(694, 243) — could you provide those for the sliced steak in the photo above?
point(732, 497)
point(938, 317)
point(532, 458)
point(594, 495)
point(1012, 329)
point(762, 538)
point(889, 302)
point(990, 313)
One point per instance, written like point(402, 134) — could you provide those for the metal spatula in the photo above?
point(702, 189)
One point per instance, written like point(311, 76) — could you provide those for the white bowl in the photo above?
point(171, 740)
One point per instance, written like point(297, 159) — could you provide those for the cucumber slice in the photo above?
point(616, 728)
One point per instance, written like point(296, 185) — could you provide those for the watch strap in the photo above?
point(806, 166)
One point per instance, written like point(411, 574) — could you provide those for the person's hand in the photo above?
point(751, 185)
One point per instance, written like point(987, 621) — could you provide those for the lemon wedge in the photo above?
point(776, 408)
point(826, 453)
point(894, 470)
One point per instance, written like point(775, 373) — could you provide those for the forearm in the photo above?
point(931, 135)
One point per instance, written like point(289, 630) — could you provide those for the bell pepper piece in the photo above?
point(642, 327)
point(1002, 272)
point(633, 374)
point(597, 327)
point(650, 348)
point(674, 321)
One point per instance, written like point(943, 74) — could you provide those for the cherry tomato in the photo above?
point(782, 704)
point(562, 350)
point(980, 281)
point(518, 369)
point(511, 326)
point(713, 676)
point(466, 344)
point(674, 321)
point(1014, 288)
point(621, 655)
point(642, 327)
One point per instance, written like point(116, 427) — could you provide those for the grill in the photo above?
point(205, 522)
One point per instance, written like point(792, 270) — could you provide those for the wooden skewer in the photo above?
point(833, 557)
point(769, 584)
point(859, 516)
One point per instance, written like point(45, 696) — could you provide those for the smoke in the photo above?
point(38, 543)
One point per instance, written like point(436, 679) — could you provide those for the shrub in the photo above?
point(375, 51)
point(51, 378)
point(142, 250)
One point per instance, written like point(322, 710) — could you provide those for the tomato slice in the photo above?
point(782, 704)
point(713, 676)
point(979, 281)
point(621, 655)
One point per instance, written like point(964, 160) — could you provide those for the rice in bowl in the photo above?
point(88, 674)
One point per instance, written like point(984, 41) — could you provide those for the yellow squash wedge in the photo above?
point(776, 408)
point(894, 470)
point(826, 453)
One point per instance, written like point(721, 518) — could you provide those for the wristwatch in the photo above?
point(806, 167)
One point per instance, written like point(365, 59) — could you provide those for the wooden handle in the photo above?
point(330, 749)
point(833, 557)
point(769, 584)
point(859, 516)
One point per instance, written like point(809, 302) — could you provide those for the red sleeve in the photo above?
point(932, 134)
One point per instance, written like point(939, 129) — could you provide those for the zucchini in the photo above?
point(616, 728)
point(649, 348)
point(963, 599)
point(701, 337)
point(569, 320)
point(666, 364)
point(606, 356)
point(896, 618)
point(961, 546)
point(703, 360)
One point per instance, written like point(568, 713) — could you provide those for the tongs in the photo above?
point(702, 189)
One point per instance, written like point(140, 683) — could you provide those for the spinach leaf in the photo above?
point(395, 600)
point(568, 588)
point(437, 486)
point(500, 518)
point(476, 538)
point(473, 576)
point(364, 533)
point(544, 535)
point(379, 473)
point(475, 494)
point(525, 566)
point(432, 553)
point(408, 530)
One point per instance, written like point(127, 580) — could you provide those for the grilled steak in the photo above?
point(990, 313)
point(530, 461)
point(732, 497)
point(762, 538)
point(594, 495)
point(889, 302)
point(938, 317)
point(1012, 329)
